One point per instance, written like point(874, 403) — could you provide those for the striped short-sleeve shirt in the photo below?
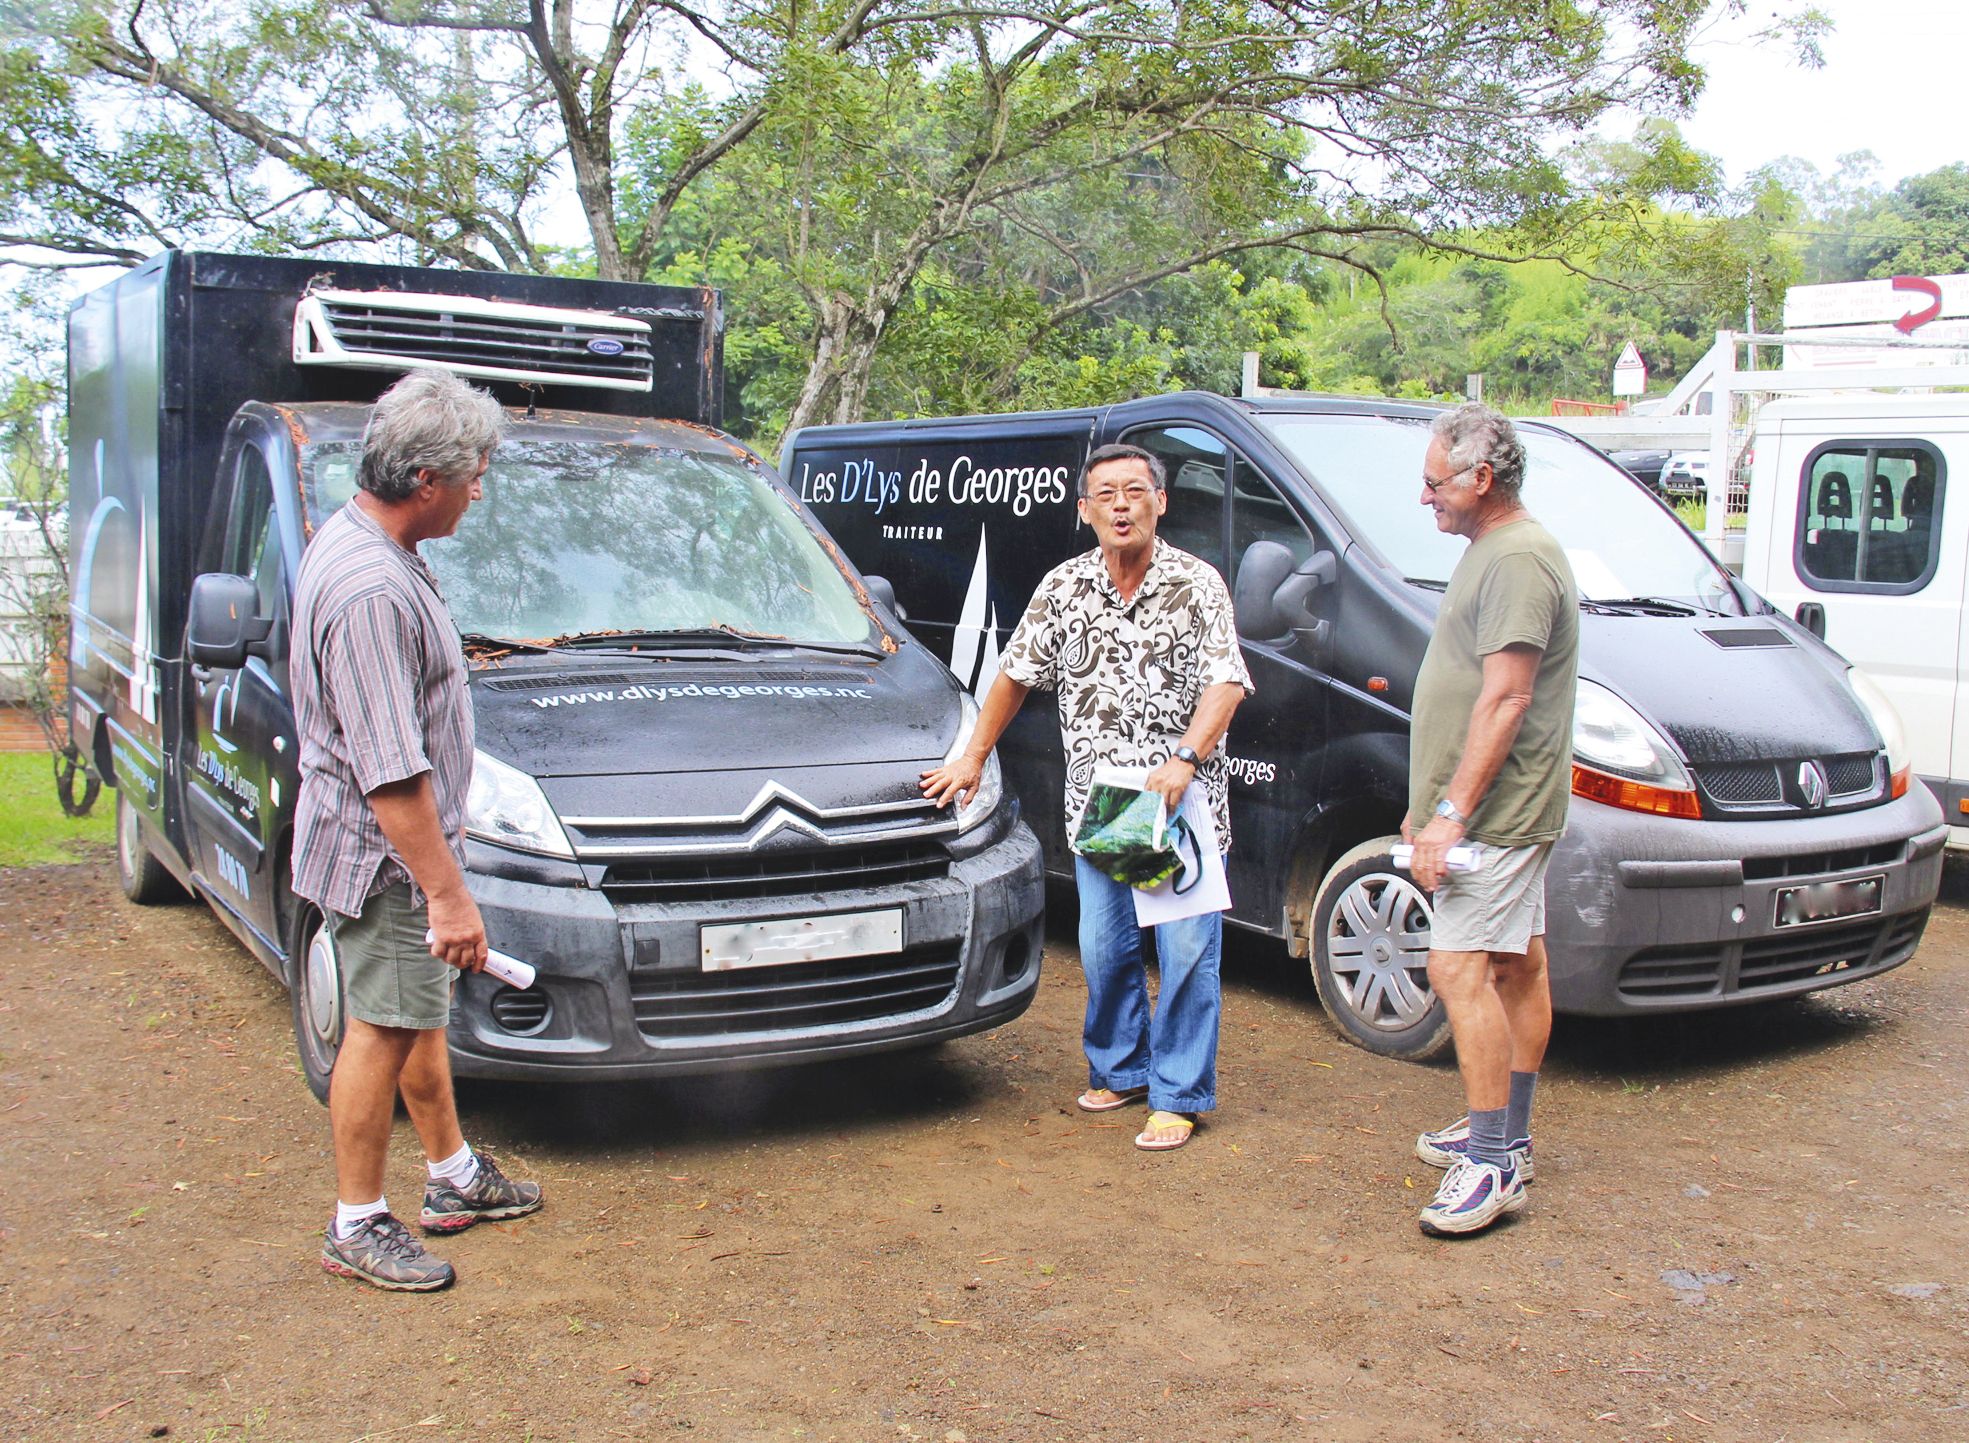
point(379, 696)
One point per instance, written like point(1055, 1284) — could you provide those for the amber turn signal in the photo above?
point(1612, 791)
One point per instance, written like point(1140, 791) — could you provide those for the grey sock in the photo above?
point(1517, 1116)
point(1487, 1140)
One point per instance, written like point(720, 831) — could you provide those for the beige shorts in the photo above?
point(389, 977)
point(1499, 907)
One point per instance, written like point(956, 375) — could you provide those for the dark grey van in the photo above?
point(1742, 823)
point(695, 804)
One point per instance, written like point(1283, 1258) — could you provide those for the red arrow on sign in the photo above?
point(1920, 285)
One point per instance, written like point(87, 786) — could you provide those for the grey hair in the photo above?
point(1475, 433)
point(430, 420)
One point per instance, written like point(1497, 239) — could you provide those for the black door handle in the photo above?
point(1811, 616)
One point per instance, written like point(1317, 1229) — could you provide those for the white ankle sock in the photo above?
point(459, 1169)
point(347, 1215)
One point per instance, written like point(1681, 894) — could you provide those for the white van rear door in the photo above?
point(1877, 540)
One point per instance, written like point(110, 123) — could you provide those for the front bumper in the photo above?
point(621, 993)
point(1649, 914)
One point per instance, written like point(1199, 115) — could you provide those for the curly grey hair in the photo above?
point(1475, 432)
point(430, 420)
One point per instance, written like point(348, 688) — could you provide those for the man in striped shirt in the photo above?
point(385, 726)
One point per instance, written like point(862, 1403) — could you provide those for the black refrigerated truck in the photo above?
point(694, 804)
point(1742, 822)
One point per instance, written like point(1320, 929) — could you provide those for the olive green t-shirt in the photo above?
point(1513, 587)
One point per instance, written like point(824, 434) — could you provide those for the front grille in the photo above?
point(1741, 783)
point(801, 997)
point(1811, 864)
point(1855, 772)
point(1767, 789)
point(508, 343)
point(1774, 961)
point(1767, 964)
point(775, 874)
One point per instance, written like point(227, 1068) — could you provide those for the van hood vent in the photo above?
point(1736, 638)
point(496, 340)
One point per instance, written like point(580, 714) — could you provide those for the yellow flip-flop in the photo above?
point(1106, 1099)
point(1147, 1141)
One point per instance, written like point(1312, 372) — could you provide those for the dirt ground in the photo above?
point(1749, 1225)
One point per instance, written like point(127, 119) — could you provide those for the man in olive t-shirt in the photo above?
point(1490, 756)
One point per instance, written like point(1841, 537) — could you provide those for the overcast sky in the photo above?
point(1895, 81)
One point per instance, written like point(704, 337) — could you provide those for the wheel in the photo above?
point(145, 880)
point(1370, 956)
point(315, 990)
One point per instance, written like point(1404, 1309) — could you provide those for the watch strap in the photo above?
point(1188, 754)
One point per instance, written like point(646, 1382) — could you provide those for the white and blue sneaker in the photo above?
point(1450, 1145)
point(1472, 1197)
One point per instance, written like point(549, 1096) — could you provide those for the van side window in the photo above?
point(1869, 516)
point(252, 546)
point(1259, 513)
point(1195, 461)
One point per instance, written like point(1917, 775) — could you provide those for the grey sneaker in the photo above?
point(382, 1251)
point(1448, 1146)
point(488, 1197)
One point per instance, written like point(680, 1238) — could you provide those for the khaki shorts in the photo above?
point(389, 977)
point(1499, 907)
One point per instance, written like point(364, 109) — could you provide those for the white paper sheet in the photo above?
point(1212, 890)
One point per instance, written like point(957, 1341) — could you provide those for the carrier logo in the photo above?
point(605, 346)
point(1811, 784)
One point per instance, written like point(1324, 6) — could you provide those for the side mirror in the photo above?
point(224, 625)
point(880, 588)
point(1274, 600)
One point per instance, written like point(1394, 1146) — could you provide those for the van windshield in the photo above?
point(579, 538)
point(1620, 542)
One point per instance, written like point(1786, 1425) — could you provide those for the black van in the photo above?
point(695, 804)
point(1742, 824)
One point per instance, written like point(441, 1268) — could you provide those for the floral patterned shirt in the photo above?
point(1130, 674)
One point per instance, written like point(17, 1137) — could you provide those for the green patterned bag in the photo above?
point(1128, 834)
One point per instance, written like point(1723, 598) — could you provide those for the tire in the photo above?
point(316, 994)
point(145, 880)
point(1370, 954)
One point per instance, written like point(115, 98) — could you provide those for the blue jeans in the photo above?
point(1173, 1053)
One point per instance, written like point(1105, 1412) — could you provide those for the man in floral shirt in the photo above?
point(1137, 638)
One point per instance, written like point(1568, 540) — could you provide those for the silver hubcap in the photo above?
point(1377, 948)
point(324, 1001)
point(126, 836)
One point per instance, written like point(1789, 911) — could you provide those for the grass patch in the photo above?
point(1695, 514)
point(33, 829)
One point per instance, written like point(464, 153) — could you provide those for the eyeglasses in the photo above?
point(1436, 483)
point(1106, 495)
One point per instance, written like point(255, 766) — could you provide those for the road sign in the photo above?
point(1630, 374)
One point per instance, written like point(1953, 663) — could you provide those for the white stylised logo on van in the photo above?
point(1811, 783)
point(974, 643)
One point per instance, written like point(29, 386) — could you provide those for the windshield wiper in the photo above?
point(1428, 582)
point(694, 638)
point(503, 643)
point(1657, 605)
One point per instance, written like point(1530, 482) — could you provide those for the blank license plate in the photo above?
point(787, 940)
point(1828, 901)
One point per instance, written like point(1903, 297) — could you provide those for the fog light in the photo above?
point(1018, 957)
point(521, 1013)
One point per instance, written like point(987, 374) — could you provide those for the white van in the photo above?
point(1852, 530)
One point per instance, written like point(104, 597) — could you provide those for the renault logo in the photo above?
point(1811, 783)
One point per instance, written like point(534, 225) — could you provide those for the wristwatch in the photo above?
point(1447, 808)
point(1188, 754)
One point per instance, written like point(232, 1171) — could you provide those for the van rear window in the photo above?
point(1869, 516)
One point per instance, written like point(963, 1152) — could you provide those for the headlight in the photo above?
point(991, 781)
point(507, 806)
point(1887, 721)
point(1609, 734)
point(1621, 760)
